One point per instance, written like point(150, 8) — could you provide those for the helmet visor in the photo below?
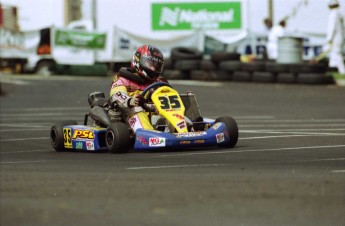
point(153, 64)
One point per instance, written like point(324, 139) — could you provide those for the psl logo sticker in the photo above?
point(83, 134)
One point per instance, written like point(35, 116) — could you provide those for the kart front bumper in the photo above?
point(217, 134)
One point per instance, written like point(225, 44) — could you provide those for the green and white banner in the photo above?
point(202, 15)
point(90, 40)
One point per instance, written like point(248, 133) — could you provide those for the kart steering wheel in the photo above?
point(152, 86)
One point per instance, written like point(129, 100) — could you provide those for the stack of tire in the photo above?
point(182, 62)
point(272, 72)
point(188, 63)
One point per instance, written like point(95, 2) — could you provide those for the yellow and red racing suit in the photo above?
point(122, 89)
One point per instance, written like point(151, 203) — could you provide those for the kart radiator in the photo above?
point(191, 105)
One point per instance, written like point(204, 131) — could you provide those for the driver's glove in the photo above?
point(136, 101)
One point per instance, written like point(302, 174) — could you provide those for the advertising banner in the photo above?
point(196, 15)
point(126, 43)
point(12, 44)
point(90, 40)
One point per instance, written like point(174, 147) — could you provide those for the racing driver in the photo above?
point(146, 68)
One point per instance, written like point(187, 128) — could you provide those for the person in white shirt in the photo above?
point(274, 34)
point(336, 36)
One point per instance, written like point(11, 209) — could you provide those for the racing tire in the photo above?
point(211, 75)
point(253, 66)
point(168, 64)
point(225, 56)
point(232, 130)
point(242, 76)
point(207, 65)
point(314, 78)
point(286, 77)
point(57, 136)
point(185, 53)
point(45, 68)
point(175, 74)
point(264, 77)
point(187, 65)
point(277, 67)
point(117, 138)
point(308, 68)
point(230, 65)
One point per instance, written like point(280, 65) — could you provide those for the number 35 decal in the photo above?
point(170, 102)
point(67, 137)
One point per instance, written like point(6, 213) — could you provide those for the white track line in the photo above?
point(291, 130)
point(23, 139)
point(216, 165)
point(338, 171)
point(174, 166)
point(31, 151)
point(23, 125)
point(305, 160)
point(21, 162)
point(286, 136)
point(196, 83)
point(53, 109)
point(270, 137)
point(253, 150)
point(292, 120)
point(20, 130)
point(292, 125)
point(25, 115)
point(293, 133)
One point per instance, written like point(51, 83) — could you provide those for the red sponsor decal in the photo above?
point(143, 140)
point(220, 137)
point(181, 125)
point(178, 116)
point(132, 121)
point(90, 146)
point(157, 141)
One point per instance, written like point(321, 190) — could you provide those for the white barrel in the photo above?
point(290, 50)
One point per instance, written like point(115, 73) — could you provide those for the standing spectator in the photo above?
point(275, 33)
point(336, 36)
point(268, 23)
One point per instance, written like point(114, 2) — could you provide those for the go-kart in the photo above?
point(175, 118)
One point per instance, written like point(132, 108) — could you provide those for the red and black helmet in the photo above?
point(148, 62)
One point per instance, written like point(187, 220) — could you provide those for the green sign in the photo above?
point(91, 40)
point(202, 15)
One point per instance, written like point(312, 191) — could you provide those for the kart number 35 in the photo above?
point(170, 102)
point(67, 137)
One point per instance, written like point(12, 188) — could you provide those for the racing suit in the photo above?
point(126, 85)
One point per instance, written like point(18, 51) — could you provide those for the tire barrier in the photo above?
point(188, 63)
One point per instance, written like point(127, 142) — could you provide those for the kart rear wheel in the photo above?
point(232, 129)
point(117, 138)
point(57, 136)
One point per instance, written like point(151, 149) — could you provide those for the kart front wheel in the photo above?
point(232, 129)
point(117, 138)
point(57, 134)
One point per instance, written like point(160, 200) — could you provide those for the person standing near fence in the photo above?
point(336, 36)
point(274, 34)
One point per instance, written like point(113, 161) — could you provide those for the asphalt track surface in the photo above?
point(288, 167)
